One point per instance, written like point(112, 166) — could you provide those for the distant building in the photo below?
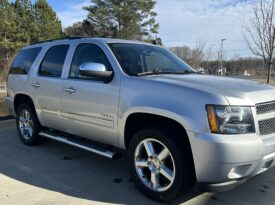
point(246, 73)
point(202, 70)
point(222, 71)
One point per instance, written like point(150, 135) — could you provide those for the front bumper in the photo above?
point(220, 187)
point(10, 105)
point(225, 161)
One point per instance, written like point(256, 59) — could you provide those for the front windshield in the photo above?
point(141, 59)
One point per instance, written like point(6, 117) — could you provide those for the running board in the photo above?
point(86, 145)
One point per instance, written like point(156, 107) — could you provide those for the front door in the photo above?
point(89, 107)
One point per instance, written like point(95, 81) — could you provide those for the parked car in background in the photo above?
point(178, 127)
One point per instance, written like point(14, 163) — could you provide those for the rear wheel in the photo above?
point(160, 164)
point(28, 125)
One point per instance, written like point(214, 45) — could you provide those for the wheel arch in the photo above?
point(148, 116)
point(22, 98)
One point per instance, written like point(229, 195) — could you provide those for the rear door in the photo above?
point(46, 85)
point(20, 68)
point(90, 109)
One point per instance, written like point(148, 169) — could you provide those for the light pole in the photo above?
point(222, 54)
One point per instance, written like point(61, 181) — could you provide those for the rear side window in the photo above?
point(53, 61)
point(24, 60)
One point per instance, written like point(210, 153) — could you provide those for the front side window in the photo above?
point(24, 60)
point(53, 61)
point(87, 53)
point(140, 59)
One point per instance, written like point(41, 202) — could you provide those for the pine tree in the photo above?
point(101, 18)
point(128, 19)
point(48, 26)
point(80, 29)
point(11, 37)
point(24, 19)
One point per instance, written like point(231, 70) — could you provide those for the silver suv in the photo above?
point(178, 126)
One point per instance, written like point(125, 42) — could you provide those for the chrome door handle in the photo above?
point(36, 85)
point(69, 90)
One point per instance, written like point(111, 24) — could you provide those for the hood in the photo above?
point(236, 91)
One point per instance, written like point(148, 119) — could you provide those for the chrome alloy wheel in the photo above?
point(25, 124)
point(154, 165)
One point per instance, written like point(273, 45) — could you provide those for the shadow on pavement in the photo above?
point(73, 172)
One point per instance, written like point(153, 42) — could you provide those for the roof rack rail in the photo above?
point(56, 39)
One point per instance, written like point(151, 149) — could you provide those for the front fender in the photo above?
point(182, 120)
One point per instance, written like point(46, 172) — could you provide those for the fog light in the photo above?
point(239, 171)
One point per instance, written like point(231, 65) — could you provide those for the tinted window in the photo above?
point(53, 61)
point(87, 53)
point(136, 59)
point(24, 60)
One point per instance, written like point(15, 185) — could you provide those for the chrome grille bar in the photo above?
point(267, 107)
point(267, 126)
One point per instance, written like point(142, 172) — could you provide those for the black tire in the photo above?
point(34, 138)
point(181, 153)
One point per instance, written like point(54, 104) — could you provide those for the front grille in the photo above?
point(267, 126)
point(265, 107)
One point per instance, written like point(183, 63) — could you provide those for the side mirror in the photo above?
point(96, 70)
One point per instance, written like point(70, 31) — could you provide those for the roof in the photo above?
point(105, 40)
point(80, 38)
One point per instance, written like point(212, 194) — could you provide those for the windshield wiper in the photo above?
point(157, 72)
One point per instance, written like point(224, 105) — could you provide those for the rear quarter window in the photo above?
point(24, 60)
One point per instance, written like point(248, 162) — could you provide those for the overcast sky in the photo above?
point(185, 22)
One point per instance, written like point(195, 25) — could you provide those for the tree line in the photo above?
point(23, 23)
point(207, 61)
point(259, 34)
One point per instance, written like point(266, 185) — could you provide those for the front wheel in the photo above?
point(160, 164)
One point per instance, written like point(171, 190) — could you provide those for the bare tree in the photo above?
point(193, 57)
point(184, 52)
point(209, 55)
point(197, 55)
point(259, 34)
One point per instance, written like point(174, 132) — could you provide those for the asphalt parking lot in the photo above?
point(57, 174)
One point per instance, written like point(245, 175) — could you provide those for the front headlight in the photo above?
point(230, 119)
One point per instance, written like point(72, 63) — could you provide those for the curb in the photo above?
point(6, 122)
point(10, 117)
